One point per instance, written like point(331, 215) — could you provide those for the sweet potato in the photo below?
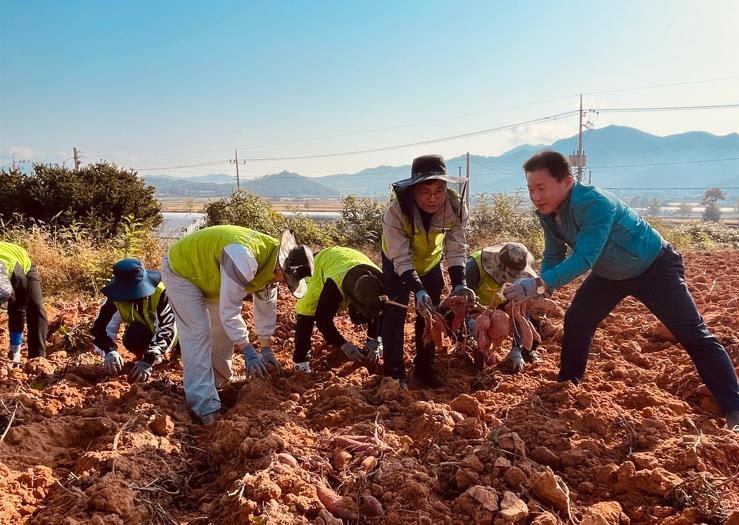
point(482, 324)
point(372, 504)
point(341, 458)
point(287, 459)
point(435, 329)
point(499, 326)
point(341, 507)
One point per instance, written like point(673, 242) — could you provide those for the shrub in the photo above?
point(361, 221)
point(500, 217)
point(244, 208)
point(98, 196)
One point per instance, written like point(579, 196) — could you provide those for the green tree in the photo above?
point(95, 198)
point(711, 211)
point(685, 209)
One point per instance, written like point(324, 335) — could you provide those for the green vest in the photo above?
point(197, 257)
point(12, 254)
point(427, 248)
point(330, 263)
point(488, 288)
point(130, 314)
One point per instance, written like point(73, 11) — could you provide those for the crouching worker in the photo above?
point(423, 224)
point(20, 289)
point(487, 270)
point(342, 278)
point(207, 274)
point(137, 299)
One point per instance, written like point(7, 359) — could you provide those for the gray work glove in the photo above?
point(113, 363)
point(255, 367)
point(353, 352)
point(514, 361)
point(372, 351)
point(269, 359)
point(14, 354)
point(141, 372)
point(424, 304)
point(522, 289)
point(466, 292)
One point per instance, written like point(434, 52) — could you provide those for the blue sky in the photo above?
point(166, 84)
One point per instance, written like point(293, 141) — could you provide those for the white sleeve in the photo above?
point(238, 268)
point(114, 325)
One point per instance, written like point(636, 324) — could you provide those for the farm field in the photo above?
point(640, 441)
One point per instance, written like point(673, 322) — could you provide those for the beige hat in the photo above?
point(507, 261)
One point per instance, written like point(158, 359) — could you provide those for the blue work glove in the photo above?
point(468, 293)
point(255, 367)
point(269, 359)
point(113, 363)
point(423, 302)
point(514, 361)
point(372, 351)
point(141, 372)
point(353, 352)
point(522, 289)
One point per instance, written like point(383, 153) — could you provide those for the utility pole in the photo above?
point(578, 160)
point(76, 155)
point(237, 162)
point(467, 188)
point(17, 164)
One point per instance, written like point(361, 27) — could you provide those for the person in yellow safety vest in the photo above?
point(487, 270)
point(20, 288)
point(136, 298)
point(207, 274)
point(423, 224)
point(342, 278)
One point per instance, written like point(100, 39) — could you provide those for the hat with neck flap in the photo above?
point(507, 261)
point(426, 168)
point(362, 285)
point(296, 262)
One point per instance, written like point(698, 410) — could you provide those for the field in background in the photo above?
point(197, 205)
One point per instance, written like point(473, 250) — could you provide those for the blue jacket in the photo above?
point(604, 234)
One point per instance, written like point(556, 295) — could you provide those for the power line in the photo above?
point(665, 108)
point(212, 163)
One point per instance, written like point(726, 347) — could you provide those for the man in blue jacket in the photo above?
point(626, 257)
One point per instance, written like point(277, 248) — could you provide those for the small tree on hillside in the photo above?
point(654, 207)
point(361, 221)
point(684, 209)
point(711, 211)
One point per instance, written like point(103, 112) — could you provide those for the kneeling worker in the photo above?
point(136, 298)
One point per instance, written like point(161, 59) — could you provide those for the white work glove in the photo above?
point(372, 351)
point(113, 363)
point(141, 372)
point(353, 352)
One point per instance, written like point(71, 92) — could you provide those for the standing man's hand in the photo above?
point(424, 304)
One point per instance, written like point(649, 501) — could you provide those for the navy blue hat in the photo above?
point(425, 168)
point(131, 281)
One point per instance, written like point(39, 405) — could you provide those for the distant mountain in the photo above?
point(625, 159)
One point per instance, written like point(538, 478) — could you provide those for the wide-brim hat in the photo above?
point(6, 288)
point(425, 168)
point(362, 285)
point(131, 281)
point(296, 262)
point(507, 261)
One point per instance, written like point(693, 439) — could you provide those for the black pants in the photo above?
point(328, 306)
point(663, 290)
point(393, 323)
point(26, 306)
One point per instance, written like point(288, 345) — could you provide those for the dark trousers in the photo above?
point(662, 289)
point(26, 306)
point(328, 306)
point(393, 324)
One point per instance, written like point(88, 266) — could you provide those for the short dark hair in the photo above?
point(555, 162)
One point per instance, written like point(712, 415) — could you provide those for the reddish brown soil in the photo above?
point(640, 440)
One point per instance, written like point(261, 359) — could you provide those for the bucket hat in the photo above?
point(362, 285)
point(427, 167)
point(131, 281)
point(507, 261)
point(296, 262)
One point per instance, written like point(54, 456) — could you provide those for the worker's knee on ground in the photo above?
point(136, 339)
